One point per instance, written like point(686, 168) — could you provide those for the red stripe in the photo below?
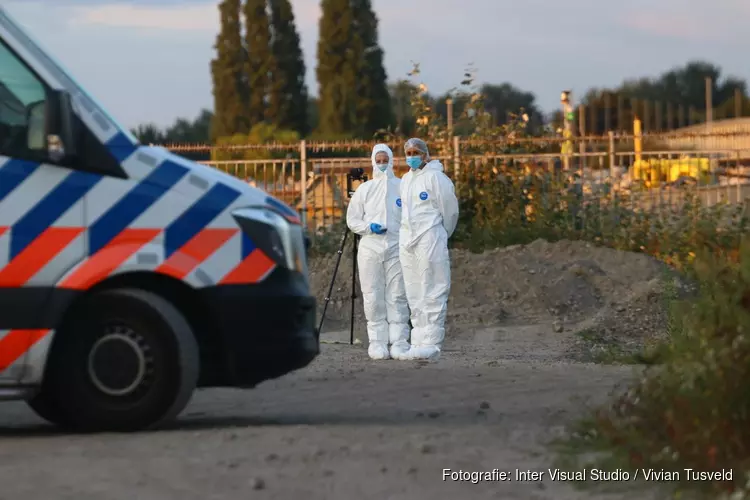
point(251, 270)
point(195, 252)
point(16, 343)
point(38, 254)
point(109, 258)
point(2, 230)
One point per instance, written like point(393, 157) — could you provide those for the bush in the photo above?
point(693, 411)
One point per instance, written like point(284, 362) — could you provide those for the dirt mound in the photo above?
point(564, 283)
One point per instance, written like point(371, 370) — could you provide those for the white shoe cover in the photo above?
point(430, 352)
point(400, 349)
point(378, 350)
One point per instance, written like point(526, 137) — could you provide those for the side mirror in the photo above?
point(58, 125)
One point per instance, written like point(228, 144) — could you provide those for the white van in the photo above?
point(129, 276)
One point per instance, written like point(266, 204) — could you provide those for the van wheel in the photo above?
point(45, 405)
point(127, 361)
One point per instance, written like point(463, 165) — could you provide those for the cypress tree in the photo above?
point(374, 110)
point(260, 64)
point(289, 100)
point(339, 56)
point(227, 70)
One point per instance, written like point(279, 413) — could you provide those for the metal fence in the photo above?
point(657, 180)
point(651, 172)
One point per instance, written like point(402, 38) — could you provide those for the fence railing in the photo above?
point(721, 134)
point(601, 170)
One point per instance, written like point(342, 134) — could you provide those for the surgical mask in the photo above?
point(414, 162)
point(382, 166)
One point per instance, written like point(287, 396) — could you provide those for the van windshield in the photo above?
point(56, 70)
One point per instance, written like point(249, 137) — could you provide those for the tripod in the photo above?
point(333, 280)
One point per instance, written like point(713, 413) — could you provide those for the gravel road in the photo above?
point(344, 428)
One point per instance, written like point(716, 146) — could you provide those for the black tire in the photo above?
point(45, 405)
point(155, 353)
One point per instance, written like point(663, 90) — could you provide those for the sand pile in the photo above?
point(567, 282)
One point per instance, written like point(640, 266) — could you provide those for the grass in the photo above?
point(598, 348)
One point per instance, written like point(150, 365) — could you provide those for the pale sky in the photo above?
point(148, 60)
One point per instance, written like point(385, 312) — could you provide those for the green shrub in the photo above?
point(694, 410)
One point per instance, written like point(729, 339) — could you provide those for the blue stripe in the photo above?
point(13, 173)
point(121, 147)
point(247, 246)
point(50, 208)
point(197, 217)
point(133, 204)
point(281, 207)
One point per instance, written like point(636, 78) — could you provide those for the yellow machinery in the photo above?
point(657, 170)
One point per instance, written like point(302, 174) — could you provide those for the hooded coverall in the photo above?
point(430, 215)
point(386, 310)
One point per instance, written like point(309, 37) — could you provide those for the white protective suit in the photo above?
point(386, 310)
point(430, 215)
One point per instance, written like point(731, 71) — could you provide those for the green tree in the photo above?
point(190, 131)
point(339, 58)
point(181, 131)
point(681, 86)
point(227, 70)
point(501, 100)
point(148, 133)
point(312, 113)
point(288, 102)
point(374, 110)
point(260, 62)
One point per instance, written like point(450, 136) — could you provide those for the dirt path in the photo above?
point(344, 428)
point(347, 427)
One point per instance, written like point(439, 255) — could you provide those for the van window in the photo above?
point(57, 71)
point(22, 103)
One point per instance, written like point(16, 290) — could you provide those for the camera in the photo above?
point(355, 174)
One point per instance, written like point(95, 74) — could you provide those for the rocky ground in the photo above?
point(525, 325)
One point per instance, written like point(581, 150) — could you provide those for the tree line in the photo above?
point(259, 85)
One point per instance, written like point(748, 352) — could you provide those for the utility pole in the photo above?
point(566, 149)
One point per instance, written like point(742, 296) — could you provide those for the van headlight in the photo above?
point(274, 235)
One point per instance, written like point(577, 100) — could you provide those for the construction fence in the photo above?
point(649, 172)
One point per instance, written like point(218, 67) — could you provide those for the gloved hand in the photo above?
point(377, 228)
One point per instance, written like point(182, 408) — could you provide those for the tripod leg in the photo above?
point(333, 280)
point(354, 288)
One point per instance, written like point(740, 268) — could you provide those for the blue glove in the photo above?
point(377, 228)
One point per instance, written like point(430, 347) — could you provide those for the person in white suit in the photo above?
point(374, 213)
point(430, 215)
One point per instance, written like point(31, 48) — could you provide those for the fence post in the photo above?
point(611, 148)
point(303, 180)
point(456, 158)
point(582, 132)
point(449, 108)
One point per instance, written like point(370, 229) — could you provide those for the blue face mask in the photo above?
point(382, 167)
point(414, 162)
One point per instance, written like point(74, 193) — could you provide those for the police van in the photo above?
point(130, 276)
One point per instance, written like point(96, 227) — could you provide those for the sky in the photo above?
point(148, 60)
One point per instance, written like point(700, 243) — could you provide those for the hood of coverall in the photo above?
point(434, 165)
point(376, 173)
